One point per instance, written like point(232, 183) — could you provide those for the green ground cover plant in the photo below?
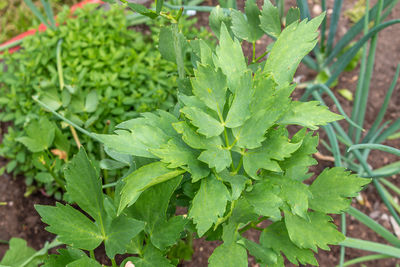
point(93, 70)
point(223, 153)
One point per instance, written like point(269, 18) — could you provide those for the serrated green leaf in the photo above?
point(269, 19)
point(297, 165)
point(308, 114)
point(294, 193)
point(210, 86)
point(209, 204)
point(152, 204)
point(232, 255)
point(64, 257)
point(276, 237)
point(292, 15)
point(247, 27)
point(141, 9)
point(295, 41)
point(166, 233)
point(243, 212)
point(120, 233)
point(84, 186)
point(144, 177)
point(178, 154)
point(218, 158)
point(40, 135)
point(230, 58)
point(72, 227)
point(195, 140)
point(333, 189)
point(275, 148)
point(206, 124)
point(265, 201)
point(319, 231)
point(237, 182)
point(240, 109)
point(152, 257)
point(84, 262)
point(19, 253)
point(263, 255)
point(268, 104)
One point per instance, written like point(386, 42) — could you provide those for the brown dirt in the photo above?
point(19, 219)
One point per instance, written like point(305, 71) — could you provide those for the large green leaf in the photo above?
point(276, 147)
point(18, 254)
point(232, 255)
point(120, 233)
point(209, 204)
point(217, 18)
point(195, 140)
point(240, 109)
point(84, 186)
point(263, 255)
point(84, 262)
point(166, 233)
point(247, 27)
point(333, 189)
point(144, 177)
point(229, 57)
point(206, 124)
point(72, 227)
point(308, 114)
point(276, 237)
point(40, 135)
point(178, 154)
point(218, 158)
point(318, 231)
point(269, 19)
point(265, 200)
point(210, 86)
point(268, 104)
point(295, 41)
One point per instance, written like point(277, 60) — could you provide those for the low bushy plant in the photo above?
point(103, 74)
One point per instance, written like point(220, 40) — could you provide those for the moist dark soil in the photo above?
point(19, 219)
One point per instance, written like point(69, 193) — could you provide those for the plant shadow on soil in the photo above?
point(18, 217)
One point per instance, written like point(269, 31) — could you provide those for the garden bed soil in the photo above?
point(19, 219)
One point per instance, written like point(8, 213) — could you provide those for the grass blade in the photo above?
point(368, 75)
point(36, 12)
point(357, 100)
point(49, 13)
point(366, 258)
point(384, 106)
point(323, 27)
point(354, 31)
point(389, 131)
point(380, 147)
point(373, 225)
point(337, 6)
point(334, 144)
point(344, 60)
point(390, 185)
point(371, 246)
point(385, 200)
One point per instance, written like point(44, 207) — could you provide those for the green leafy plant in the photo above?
point(225, 155)
point(96, 87)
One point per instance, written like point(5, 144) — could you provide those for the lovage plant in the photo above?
point(226, 156)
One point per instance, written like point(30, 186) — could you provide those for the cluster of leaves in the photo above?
point(109, 74)
point(225, 155)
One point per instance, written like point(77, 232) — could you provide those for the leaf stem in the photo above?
point(239, 165)
point(260, 57)
point(254, 52)
point(91, 252)
point(59, 65)
point(114, 264)
point(253, 225)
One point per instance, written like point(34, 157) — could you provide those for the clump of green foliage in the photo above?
point(103, 74)
point(224, 154)
point(15, 16)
